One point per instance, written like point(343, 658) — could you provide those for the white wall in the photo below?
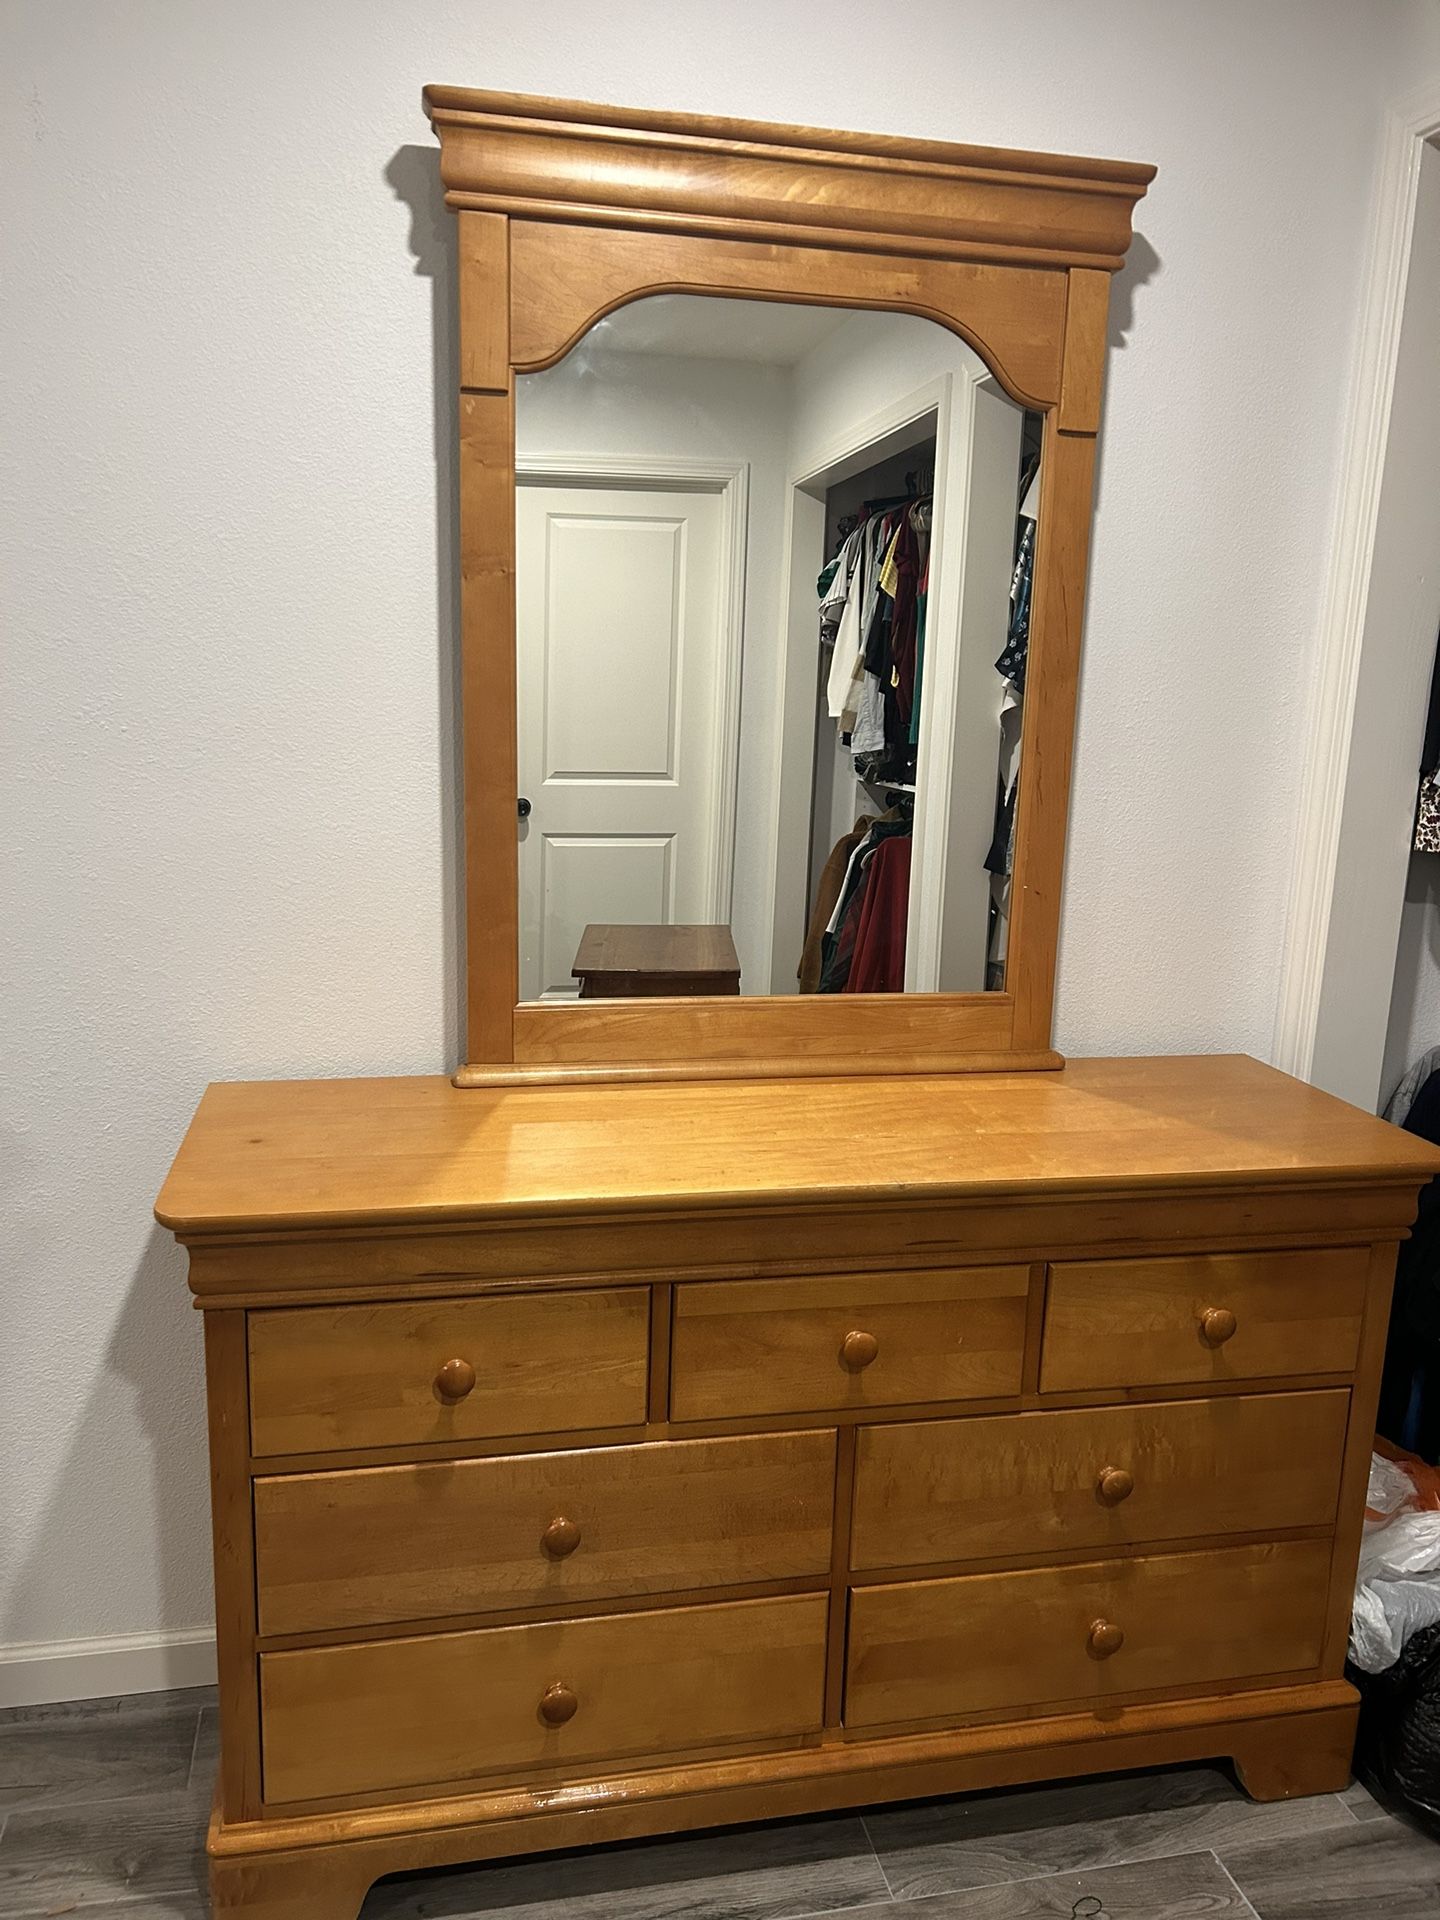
point(600, 401)
point(227, 562)
point(1402, 611)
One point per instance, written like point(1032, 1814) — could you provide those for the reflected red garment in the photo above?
point(878, 963)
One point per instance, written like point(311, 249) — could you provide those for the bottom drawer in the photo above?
point(997, 1642)
point(447, 1707)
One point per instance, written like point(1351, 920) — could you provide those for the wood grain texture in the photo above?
point(1359, 1444)
point(266, 1155)
point(232, 1536)
point(591, 164)
point(446, 1707)
point(484, 288)
point(805, 1029)
point(929, 1492)
point(336, 1550)
point(324, 1378)
point(487, 687)
point(780, 1346)
point(636, 962)
point(681, 1795)
point(1052, 679)
point(1012, 251)
point(1082, 379)
point(564, 283)
point(1137, 1323)
point(992, 1642)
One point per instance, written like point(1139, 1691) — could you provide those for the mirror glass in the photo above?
point(773, 572)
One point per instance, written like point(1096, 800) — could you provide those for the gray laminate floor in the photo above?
point(103, 1805)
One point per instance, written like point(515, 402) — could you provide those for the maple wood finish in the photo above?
point(797, 1346)
point(1044, 1636)
point(645, 963)
point(531, 1363)
point(650, 1431)
point(452, 1707)
point(568, 210)
point(764, 1497)
point(400, 1543)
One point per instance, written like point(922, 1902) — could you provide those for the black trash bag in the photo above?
point(1397, 1752)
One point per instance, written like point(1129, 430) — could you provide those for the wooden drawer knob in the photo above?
point(1114, 1485)
point(561, 1537)
point(558, 1704)
point(1106, 1638)
point(1217, 1325)
point(857, 1350)
point(455, 1379)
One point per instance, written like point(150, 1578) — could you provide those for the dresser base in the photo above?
point(1285, 1742)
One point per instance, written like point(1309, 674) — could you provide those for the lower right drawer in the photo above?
point(995, 1642)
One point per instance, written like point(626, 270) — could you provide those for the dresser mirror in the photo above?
point(773, 566)
point(709, 372)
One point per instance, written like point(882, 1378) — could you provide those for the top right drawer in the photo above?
point(1201, 1318)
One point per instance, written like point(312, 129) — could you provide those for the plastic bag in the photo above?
point(1397, 1584)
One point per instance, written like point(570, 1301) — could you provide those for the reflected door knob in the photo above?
point(857, 1350)
point(560, 1538)
point(1217, 1325)
point(455, 1379)
point(1105, 1638)
point(1114, 1485)
point(558, 1704)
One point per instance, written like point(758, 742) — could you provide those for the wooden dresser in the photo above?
point(591, 1462)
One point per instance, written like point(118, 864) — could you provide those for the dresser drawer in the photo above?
point(752, 1347)
point(337, 1550)
point(389, 1714)
point(322, 1378)
point(1220, 1316)
point(996, 1642)
point(1021, 1483)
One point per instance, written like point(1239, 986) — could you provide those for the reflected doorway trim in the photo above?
point(1316, 1005)
point(805, 490)
point(730, 479)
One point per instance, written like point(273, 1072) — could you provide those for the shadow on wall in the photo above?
point(413, 175)
point(155, 1361)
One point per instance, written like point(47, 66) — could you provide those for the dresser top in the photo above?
point(267, 1154)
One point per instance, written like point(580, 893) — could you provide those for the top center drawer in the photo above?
point(745, 1347)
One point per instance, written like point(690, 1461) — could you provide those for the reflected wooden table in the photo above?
point(637, 963)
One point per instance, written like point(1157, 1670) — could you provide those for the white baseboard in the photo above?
point(48, 1670)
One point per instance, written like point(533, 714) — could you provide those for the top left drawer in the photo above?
point(327, 1378)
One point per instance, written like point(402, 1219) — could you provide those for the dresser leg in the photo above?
point(1291, 1759)
point(319, 1884)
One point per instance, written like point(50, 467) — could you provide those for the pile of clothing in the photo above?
point(856, 942)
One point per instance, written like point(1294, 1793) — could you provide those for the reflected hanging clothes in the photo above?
point(877, 964)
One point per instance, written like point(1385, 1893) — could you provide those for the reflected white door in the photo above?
point(621, 698)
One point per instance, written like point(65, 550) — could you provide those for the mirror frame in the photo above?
point(569, 210)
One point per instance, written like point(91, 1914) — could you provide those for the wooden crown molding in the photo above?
point(587, 165)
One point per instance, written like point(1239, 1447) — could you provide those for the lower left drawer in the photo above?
point(444, 1708)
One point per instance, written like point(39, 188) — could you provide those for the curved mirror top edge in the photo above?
point(773, 568)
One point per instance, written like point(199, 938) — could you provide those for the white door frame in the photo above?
point(665, 473)
point(1320, 996)
point(805, 488)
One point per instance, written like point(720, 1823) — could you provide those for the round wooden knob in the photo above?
point(558, 1704)
point(857, 1350)
point(1114, 1485)
point(455, 1379)
point(561, 1537)
point(1106, 1638)
point(1217, 1324)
